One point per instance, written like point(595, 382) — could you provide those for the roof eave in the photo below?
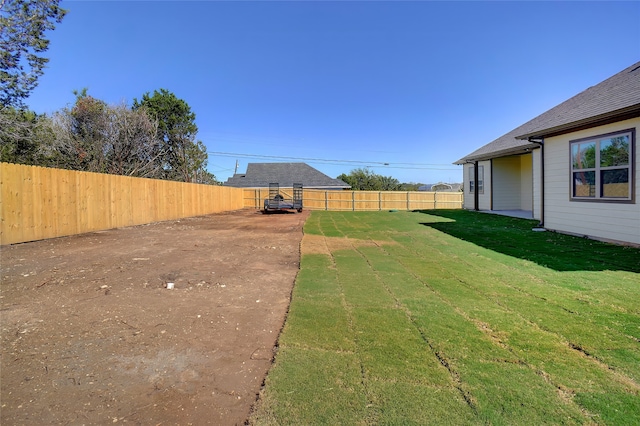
point(599, 120)
point(519, 150)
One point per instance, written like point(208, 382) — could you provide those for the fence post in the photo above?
point(326, 201)
point(408, 202)
point(353, 201)
point(435, 200)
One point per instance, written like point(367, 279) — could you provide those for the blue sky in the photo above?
point(414, 84)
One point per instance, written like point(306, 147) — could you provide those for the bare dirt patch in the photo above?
point(91, 335)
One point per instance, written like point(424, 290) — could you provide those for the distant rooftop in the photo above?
point(260, 175)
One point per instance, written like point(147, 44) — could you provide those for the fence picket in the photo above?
point(38, 202)
point(338, 200)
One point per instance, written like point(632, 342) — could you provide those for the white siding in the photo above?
point(615, 221)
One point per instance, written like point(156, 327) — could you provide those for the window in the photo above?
point(602, 167)
point(472, 179)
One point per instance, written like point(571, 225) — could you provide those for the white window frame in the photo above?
point(598, 195)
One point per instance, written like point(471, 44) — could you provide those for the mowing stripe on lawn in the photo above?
point(584, 332)
point(413, 318)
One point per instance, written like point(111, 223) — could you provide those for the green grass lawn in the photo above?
point(456, 317)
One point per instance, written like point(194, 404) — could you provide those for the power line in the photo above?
point(405, 166)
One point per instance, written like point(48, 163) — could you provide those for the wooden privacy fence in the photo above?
point(38, 203)
point(336, 200)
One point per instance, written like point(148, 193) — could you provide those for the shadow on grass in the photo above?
point(514, 237)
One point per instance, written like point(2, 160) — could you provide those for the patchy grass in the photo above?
point(456, 317)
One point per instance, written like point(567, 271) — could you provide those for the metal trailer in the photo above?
point(277, 201)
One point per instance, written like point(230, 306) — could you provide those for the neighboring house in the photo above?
point(260, 175)
point(441, 187)
point(576, 167)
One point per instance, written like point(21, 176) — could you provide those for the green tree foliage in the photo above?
point(584, 155)
point(183, 159)
point(411, 186)
point(363, 179)
point(96, 137)
point(22, 41)
point(614, 152)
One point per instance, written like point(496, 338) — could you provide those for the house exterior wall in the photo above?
point(507, 183)
point(467, 198)
point(526, 182)
point(484, 198)
point(604, 220)
point(536, 184)
point(468, 201)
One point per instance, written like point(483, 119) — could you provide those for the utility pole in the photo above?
point(236, 169)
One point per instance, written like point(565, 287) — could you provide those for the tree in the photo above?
point(154, 139)
point(93, 136)
point(366, 180)
point(131, 143)
point(614, 152)
point(410, 186)
point(183, 159)
point(24, 136)
point(388, 183)
point(22, 28)
point(80, 134)
point(196, 155)
point(359, 179)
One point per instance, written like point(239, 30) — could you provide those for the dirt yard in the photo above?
point(90, 333)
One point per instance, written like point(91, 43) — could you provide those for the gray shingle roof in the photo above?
point(505, 145)
point(259, 175)
point(617, 97)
